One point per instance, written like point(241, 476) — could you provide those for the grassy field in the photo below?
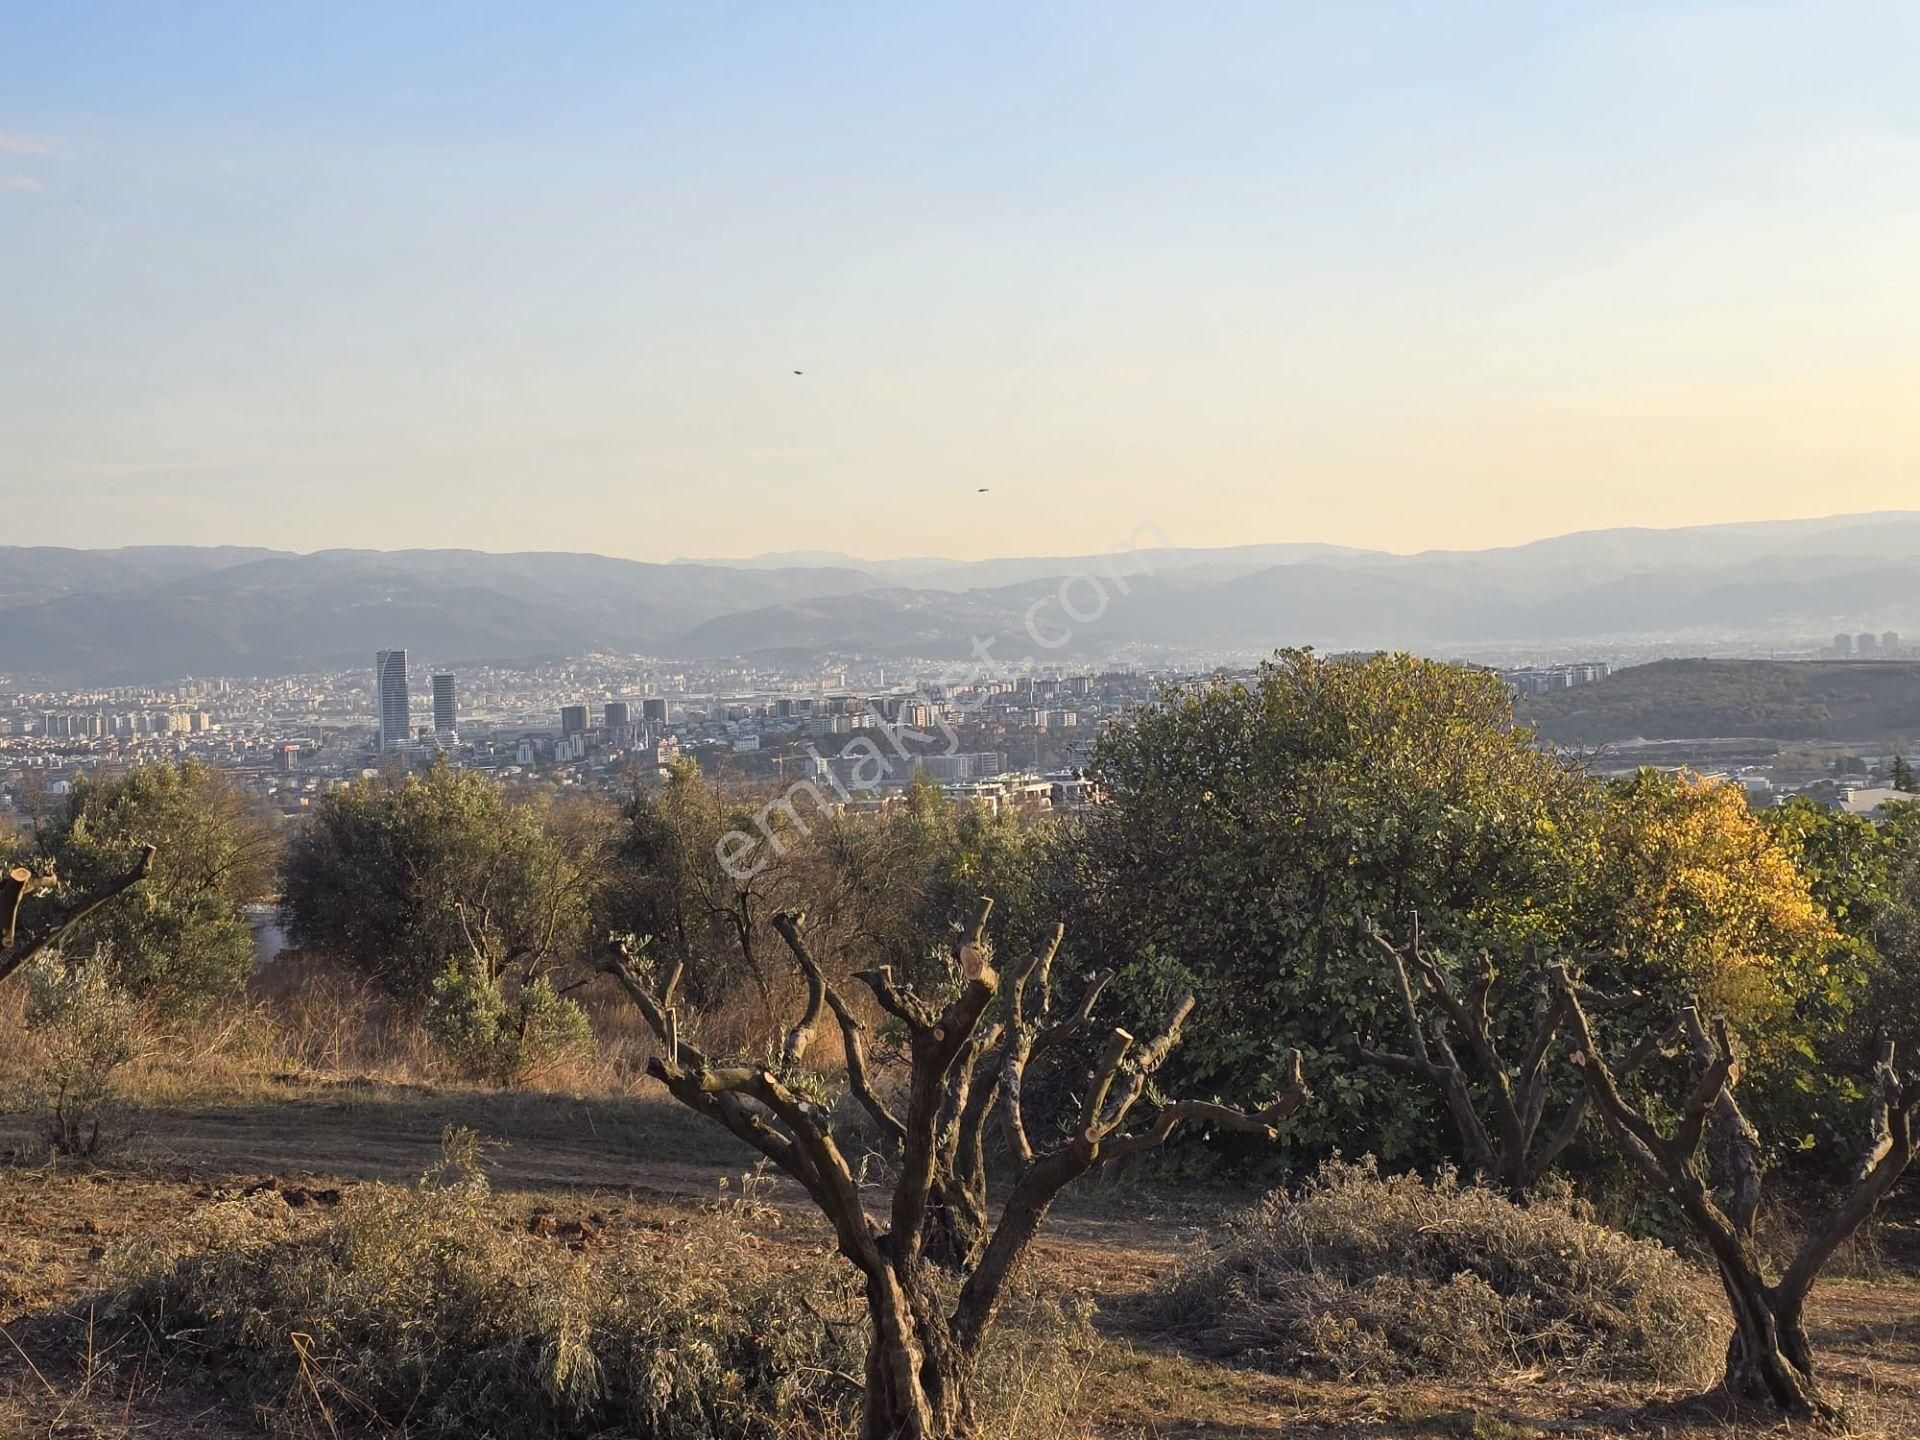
point(623, 1174)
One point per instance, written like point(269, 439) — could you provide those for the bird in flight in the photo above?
point(799, 372)
point(982, 490)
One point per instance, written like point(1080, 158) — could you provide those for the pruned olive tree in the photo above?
point(964, 1065)
point(23, 938)
point(1505, 1146)
point(1770, 1356)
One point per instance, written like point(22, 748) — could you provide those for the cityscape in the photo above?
point(598, 723)
point(960, 722)
point(607, 723)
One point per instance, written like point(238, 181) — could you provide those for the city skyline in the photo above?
point(1389, 277)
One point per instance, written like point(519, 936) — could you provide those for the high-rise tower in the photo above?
point(390, 695)
point(445, 716)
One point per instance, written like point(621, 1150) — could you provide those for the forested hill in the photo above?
point(1777, 699)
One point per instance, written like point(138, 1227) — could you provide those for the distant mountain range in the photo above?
point(157, 612)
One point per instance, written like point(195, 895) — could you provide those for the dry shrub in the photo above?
point(88, 1028)
point(326, 1017)
point(1357, 1276)
point(424, 1311)
point(421, 1310)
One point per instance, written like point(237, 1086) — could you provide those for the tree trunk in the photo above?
point(935, 1404)
point(1769, 1357)
point(956, 1227)
point(919, 1380)
point(1512, 1174)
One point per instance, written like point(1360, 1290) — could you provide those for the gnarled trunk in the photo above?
point(1769, 1357)
point(922, 1359)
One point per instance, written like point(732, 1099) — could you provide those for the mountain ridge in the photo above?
point(158, 612)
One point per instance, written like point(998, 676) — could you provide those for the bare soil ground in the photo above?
point(621, 1172)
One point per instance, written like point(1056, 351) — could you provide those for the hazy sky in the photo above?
point(538, 278)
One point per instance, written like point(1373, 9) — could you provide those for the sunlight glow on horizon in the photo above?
point(539, 279)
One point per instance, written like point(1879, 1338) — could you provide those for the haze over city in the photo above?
point(659, 281)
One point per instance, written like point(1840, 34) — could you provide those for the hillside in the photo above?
point(1780, 700)
point(159, 612)
point(284, 613)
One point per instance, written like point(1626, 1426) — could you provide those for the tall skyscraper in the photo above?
point(617, 718)
point(573, 719)
point(445, 715)
point(654, 711)
point(390, 694)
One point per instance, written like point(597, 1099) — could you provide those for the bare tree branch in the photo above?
point(961, 1070)
point(19, 883)
point(1771, 1355)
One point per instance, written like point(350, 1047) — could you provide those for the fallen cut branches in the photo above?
point(1358, 1276)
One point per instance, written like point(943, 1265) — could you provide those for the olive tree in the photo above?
point(457, 899)
point(182, 944)
point(399, 880)
point(967, 1059)
point(1770, 1356)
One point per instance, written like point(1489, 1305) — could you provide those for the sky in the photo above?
point(1391, 275)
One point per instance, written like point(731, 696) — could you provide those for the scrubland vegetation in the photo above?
point(1688, 699)
point(1010, 1155)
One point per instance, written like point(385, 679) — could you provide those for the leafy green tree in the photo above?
point(1867, 878)
point(1251, 831)
point(398, 880)
point(178, 942)
point(894, 889)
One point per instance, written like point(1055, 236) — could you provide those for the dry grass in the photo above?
point(424, 1311)
point(61, 1227)
point(431, 1311)
point(313, 1082)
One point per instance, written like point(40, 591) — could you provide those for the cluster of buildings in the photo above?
point(1546, 679)
point(394, 704)
point(1868, 646)
point(601, 722)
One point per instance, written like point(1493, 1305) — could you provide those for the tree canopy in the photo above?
point(178, 943)
point(1252, 830)
point(399, 879)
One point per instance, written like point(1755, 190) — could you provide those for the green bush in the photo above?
point(1361, 1277)
point(88, 1027)
point(505, 1041)
point(177, 941)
